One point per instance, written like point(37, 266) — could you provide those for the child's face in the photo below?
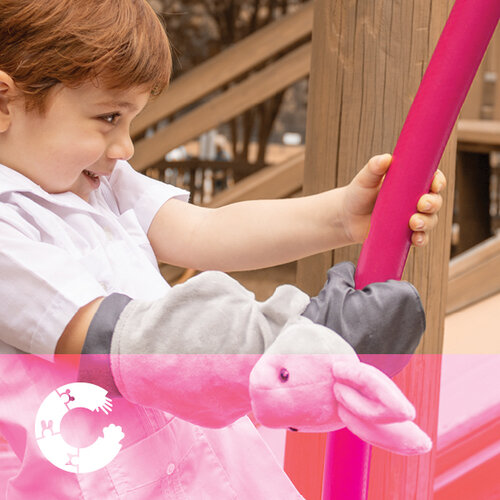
point(83, 130)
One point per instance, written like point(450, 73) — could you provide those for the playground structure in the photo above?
point(365, 62)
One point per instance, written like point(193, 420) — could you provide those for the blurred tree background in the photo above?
point(200, 29)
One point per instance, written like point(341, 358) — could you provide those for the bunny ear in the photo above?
point(404, 438)
point(368, 393)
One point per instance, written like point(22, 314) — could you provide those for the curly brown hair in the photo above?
point(120, 43)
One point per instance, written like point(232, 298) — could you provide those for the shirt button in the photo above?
point(170, 469)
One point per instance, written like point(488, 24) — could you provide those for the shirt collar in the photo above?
point(13, 181)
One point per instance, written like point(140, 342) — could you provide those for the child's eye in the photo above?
point(112, 118)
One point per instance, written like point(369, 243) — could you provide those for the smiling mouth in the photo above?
point(91, 174)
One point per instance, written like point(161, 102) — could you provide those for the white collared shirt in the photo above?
point(58, 252)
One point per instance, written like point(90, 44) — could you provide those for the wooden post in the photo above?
point(367, 63)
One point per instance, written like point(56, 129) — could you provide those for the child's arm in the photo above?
point(263, 233)
point(190, 353)
point(73, 337)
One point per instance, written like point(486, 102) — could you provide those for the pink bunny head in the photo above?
point(295, 391)
point(311, 380)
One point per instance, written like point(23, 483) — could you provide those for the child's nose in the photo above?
point(121, 148)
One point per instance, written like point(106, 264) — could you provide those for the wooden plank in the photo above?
point(222, 108)
point(368, 61)
point(464, 263)
point(495, 57)
point(276, 181)
point(482, 101)
point(491, 79)
point(474, 275)
point(226, 66)
point(471, 109)
point(483, 134)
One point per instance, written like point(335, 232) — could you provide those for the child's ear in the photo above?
point(7, 91)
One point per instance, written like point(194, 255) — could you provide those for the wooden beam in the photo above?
point(472, 107)
point(492, 79)
point(226, 66)
point(478, 135)
point(222, 108)
point(474, 275)
point(367, 63)
point(495, 57)
point(483, 99)
point(275, 181)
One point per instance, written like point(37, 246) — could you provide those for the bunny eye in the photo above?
point(284, 374)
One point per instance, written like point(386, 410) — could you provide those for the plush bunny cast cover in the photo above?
point(384, 322)
point(311, 380)
point(197, 353)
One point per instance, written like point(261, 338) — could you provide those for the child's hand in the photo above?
point(361, 193)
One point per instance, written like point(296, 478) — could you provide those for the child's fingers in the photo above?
point(374, 171)
point(428, 206)
point(423, 223)
point(430, 203)
point(419, 239)
point(438, 182)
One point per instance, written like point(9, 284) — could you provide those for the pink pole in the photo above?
point(418, 151)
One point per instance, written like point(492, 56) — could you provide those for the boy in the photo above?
point(80, 236)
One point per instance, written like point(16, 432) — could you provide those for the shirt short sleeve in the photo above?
point(41, 289)
point(144, 195)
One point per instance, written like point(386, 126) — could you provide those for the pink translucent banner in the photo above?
point(64, 436)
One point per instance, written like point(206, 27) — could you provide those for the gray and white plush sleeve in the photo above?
point(94, 362)
point(209, 314)
point(190, 352)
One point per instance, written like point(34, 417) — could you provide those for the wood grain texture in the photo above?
point(494, 52)
point(367, 63)
point(472, 107)
point(483, 99)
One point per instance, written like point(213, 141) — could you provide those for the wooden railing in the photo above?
point(227, 66)
point(242, 76)
point(478, 136)
point(274, 181)
point(244, 57)
point(474, 275)
point(225, 106)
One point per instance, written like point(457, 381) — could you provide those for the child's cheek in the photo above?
point(81, 152)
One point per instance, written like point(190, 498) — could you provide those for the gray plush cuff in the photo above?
point(95, 365)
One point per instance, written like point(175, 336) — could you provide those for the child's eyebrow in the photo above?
point(119, 104)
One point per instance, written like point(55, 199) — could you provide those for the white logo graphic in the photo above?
point(48, 428)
